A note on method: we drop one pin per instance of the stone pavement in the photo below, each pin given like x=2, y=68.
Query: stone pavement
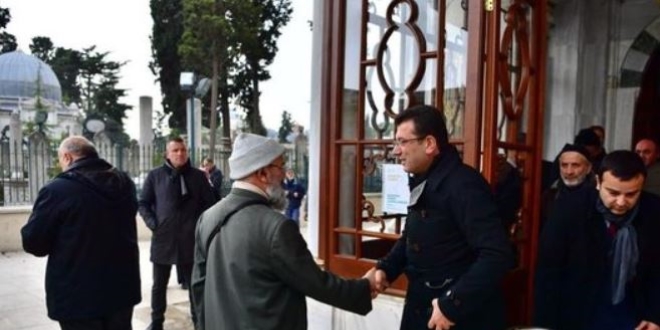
x=23, y=306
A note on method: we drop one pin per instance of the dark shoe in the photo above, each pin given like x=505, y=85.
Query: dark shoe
x=185, y=286
x=155, y=326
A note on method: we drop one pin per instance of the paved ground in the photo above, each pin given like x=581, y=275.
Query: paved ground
x=23, y=307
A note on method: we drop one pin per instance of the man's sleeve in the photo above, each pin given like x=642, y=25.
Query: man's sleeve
x=199, y=277
x=395, y=260
x=293, y=263
x=147, y=202
x=476, y=214
x=43, y=225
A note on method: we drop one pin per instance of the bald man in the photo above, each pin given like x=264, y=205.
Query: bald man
x=84, y=221
x=648, y=150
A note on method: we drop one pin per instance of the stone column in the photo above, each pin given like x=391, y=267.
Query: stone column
x=313, y=189
x=146, y=135
x=40, y=161
x=146, y=121
x=15, y=146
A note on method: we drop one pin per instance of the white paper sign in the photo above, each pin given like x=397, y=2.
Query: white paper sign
x=396, y=193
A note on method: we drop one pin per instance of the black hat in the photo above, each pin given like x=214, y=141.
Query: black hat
x=574, y=148
x=587, y=137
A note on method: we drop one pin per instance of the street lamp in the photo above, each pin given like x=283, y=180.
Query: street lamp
x=194, y=87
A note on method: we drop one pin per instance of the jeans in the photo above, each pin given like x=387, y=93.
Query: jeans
x=293, y=214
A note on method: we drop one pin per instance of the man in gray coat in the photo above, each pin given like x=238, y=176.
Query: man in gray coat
x=252, y=267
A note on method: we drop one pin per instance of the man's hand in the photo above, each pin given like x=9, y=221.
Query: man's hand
x=438, y=321
x=378, y=281
x=646, y=325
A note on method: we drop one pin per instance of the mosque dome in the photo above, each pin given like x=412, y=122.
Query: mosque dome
x=19, y=74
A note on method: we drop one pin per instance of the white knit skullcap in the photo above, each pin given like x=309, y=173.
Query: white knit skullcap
x=251, y=153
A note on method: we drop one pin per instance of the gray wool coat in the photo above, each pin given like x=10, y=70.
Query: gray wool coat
x=259, y=270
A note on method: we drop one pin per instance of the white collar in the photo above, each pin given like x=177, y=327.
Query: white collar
x=250, y=187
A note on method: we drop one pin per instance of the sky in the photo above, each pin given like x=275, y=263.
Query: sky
x=123, y=27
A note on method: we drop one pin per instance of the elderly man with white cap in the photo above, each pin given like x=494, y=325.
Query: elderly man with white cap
x=252, y=267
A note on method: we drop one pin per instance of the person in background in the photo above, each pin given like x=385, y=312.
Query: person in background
x=84, y=221
x=294, y=194
x=648, y=150
x=574, y=174
x=173, y=197
x=599, y=254
x=454, y=249
x=589, y=139
x=214, y=175
x=252, y=266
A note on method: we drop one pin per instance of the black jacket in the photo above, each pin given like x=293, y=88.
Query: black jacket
x=84, y=221
x=171, y=213
x=573, y=262
x=453, y=248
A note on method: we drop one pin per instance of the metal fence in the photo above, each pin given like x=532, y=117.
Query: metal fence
x=25, y=166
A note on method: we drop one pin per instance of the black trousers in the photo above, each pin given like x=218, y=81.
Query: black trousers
x=120, y=320
x=161, y=276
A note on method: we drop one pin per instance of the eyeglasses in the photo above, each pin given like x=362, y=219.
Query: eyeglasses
x=403, y=142
x=280, y=167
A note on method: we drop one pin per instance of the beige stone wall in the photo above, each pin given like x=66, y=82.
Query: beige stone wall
x=12, y=219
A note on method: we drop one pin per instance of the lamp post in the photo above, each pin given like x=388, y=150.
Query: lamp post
x=194, y=87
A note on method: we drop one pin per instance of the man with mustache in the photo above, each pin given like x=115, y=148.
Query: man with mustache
x=252, y=267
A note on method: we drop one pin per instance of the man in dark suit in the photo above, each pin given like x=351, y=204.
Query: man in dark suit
x=173, y=198
x=454, y=249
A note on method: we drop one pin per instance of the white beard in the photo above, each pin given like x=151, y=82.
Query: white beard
x=574, y=182
x=276, y=197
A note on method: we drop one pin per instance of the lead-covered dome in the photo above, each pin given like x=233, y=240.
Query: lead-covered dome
x=19, y=74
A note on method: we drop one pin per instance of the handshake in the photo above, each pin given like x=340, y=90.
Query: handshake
x=377, y=280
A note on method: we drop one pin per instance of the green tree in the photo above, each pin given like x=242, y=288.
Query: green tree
x=42, y=47
x=259, y=47
x=7, y=40
x=166, y=62
x=209, y=46
x=98, y=80
x=66, y=64
x=286, y=127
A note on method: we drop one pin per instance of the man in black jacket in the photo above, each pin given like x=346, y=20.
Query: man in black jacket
x=84, y=221
x=454, y=249
x=599, y=254
x=173, y=197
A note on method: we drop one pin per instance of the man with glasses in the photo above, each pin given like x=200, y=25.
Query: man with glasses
x=252, y=266
x=453, y=250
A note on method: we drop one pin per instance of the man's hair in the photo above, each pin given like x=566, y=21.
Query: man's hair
x=587, y=137
x=427, y=120
x=176, y=139
x=623, y=164
x=79, y=147
x=208, y=160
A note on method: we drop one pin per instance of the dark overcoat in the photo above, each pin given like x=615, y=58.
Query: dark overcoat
x=573, y=262
x=84, y=220
x=171, y=214
x=453, y=248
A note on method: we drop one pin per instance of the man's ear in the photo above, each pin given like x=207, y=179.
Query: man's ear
x=431, y=145
x=597, y=182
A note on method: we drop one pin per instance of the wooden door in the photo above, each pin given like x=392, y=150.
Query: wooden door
x=386, y=55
